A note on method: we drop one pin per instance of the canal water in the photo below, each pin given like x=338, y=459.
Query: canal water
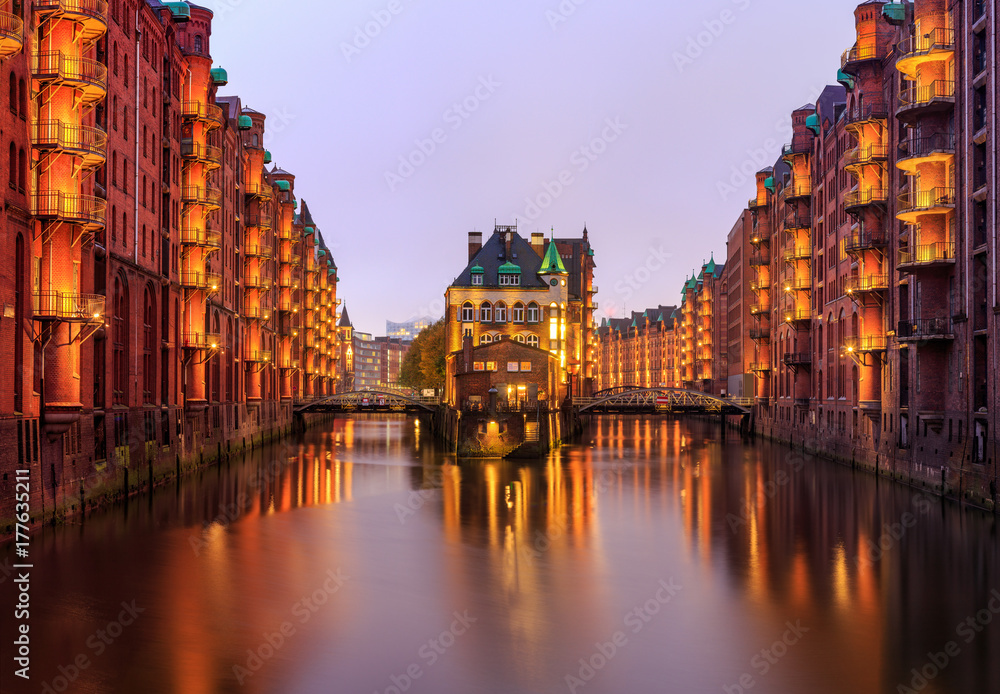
x=655, y=556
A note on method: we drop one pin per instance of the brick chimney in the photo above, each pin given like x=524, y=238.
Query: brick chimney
x=467, y=353
x=538, y=243
x=475, y=243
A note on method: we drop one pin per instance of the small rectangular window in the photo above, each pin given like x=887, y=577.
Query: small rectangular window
x=478, y=366
x=525, y=366
x=513, y=367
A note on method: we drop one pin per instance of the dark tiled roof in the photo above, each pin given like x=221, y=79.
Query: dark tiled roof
x=345, y=320
x=493, y=254
x=307, y=218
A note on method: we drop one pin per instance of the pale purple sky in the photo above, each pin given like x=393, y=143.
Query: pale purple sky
x=541, y=86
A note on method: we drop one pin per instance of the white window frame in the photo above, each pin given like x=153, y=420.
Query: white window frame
x=468, y=312
x=486, y=313
x=500, y=312
x=532, y=308
x=477, y=280
x=517, y=309
x=532, y=340
x=485, y=339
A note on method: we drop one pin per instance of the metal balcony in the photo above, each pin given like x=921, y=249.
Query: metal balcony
x=926, y=256
x=915, y=151
x=201, y=238
x=11, y=34
x=797, y=359
x=936, y=96
x=937, y=44
x=68, y=306
x=760, y=237
x=208, y=114
x=867, y=112
x=866, y=284
x=203, y=341
x=797, y=253
x=923, y=329
x=857, y=200
x=797, y=284
x=872, y=154
x=757, y=202
x=760, y=334
x=90, y=144
x=798, y=220
x=257, y=283
x=88, y=77
x=257, y=250
x=912, y=205
x=262, y=191
x=85, y=210
x=794, y=191
x=257, y=356
x=757, y=260
x=868, y=47
x=860, y=241
x=866, y=344
x=288, y=364
x=259, y=221
x=796, y=315
x=288, y=306
x=205, y=281
x=256, y=313
x=801, y=143
x=207, y=155
x=91, y=16
x=290, y=259
x=198, y=195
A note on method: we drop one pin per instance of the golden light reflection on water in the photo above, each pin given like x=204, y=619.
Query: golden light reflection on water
x=549, y=553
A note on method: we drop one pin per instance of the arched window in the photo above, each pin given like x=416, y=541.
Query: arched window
x=230, y=362
x=145, y=137
x=12, y=93
x=124, y=227
x=114, y=224
x=125, y=66
x=125, y=122
x=532, y=340
x=533, y=316
x=517, y=313
x=486, y=312
x=500, y=312
x=485, y=339
x=114, y=112
x=255, y=140
x=114, y=169
x=119, y=341
x=22, y=170
x=22, y=98
x=198, y=43
x=468, y=312
x=148, y=345
x=12, y=166
x=520, y=338
x=143, y=240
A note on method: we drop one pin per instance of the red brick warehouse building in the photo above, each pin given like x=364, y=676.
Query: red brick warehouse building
x=167, y=298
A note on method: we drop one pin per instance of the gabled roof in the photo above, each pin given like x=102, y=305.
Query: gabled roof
x=307, y=218
x=493, y=255
x=552, y=264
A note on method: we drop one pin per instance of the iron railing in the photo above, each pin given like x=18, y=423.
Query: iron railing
x=925, y=328
x=68, y=207
x=915, y=201
x=68, y=306
x=867, y=283
x=62, y=136
x=927, y=254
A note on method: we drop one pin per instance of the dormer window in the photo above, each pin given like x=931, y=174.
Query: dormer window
x=509, y=275
x=477, y=275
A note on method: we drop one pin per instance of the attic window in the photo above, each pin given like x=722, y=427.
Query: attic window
x=510, y=280
x=477, y=280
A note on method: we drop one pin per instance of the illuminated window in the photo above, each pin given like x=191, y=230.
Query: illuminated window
x=533, y=312
x=525, y=366
x=468, y=312
x=532, y=340
x=491, y=366
x=519, y=338
x=486, y=312
x=517, y=313
x=485, y=339
x=478, y=366
x=500, y=312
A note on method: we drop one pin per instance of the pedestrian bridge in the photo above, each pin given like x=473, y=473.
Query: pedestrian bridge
x=365, y=401
x=631, y=400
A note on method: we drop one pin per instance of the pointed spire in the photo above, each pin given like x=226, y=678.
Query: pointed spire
x=552, y=264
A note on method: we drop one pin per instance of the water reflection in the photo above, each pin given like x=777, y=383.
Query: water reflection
x=500, y=576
